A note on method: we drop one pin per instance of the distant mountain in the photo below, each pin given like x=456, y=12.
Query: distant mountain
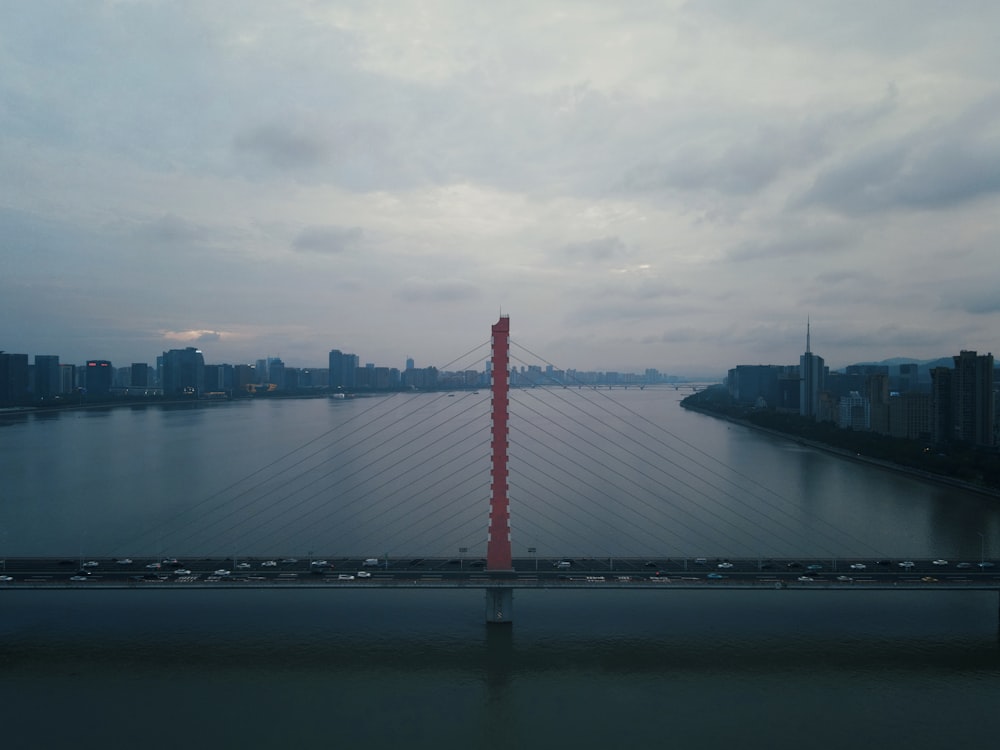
x=923, y=365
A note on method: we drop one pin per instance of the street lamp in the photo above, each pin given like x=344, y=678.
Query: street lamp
x=461, y=557
x=531, y=553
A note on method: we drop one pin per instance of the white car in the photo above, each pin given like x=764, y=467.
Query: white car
x=906, y=564
x=91, y=564
x=6, y=579
x=243, y=566
x=858, y=566
x=725, y=565
x=940, y=562
x=221, y=572
x=364, y=574
x=182, y=572
x=371, y=562
x=124, y=561
x=345, y=577
x=269, y=564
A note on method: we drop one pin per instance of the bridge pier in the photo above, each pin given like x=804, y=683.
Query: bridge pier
x=499, y=605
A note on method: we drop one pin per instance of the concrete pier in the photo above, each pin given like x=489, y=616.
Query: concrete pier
x=500, y=605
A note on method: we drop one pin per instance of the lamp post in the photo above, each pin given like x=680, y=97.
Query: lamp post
x=982, y=549
x=461, y=557
x=531, y=553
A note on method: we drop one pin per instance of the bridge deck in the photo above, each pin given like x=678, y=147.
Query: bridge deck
x=527, y=573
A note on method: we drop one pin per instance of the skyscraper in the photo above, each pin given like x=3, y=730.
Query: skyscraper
x=47, y=380
x=972, y=393
x=13, y=378
x=343, y=369
x=811, y=380
x=97, y=377
x=183, y=372
x=139, y=375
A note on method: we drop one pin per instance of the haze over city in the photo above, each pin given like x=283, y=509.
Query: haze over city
x=671, y=185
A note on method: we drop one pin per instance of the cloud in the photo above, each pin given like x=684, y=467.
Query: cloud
x=977, y=301
x=931, y=168
x=437, y=290
x=604, y=248
x=791, y=240
x=198, y=336
x=171, y=229
x=283, y=147
x=330, y=240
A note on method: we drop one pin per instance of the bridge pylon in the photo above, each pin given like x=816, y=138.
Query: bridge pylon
x=498, y=554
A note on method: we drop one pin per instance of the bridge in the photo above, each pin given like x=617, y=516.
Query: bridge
x=499, y=572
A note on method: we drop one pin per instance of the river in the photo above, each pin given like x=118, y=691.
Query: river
x=616, y=473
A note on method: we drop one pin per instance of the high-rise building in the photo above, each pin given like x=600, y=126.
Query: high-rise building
x=910, y=416
x=98, y=375
x=67, y=378
x=854, y=412
x=972, y=393
x=343, y=369
x=811, y=380
x=243, y=377
x=276, y=372
x=139, y=376
x=183, y=372
x=48, y=384
x=908, y=378
x=877, y=393
x=942, y=419
x=13, y=378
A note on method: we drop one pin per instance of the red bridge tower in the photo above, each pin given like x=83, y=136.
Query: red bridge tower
x=498, y=555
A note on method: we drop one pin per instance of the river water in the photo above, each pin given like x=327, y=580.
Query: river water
x=599, y=473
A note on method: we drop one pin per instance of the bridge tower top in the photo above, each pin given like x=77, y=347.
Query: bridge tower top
x=498, y=554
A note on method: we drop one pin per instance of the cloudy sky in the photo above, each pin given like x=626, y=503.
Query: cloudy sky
x=644, y=184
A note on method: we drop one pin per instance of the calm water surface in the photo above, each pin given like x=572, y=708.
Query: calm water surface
x=419, y=669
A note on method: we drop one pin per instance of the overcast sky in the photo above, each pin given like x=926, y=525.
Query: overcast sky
x=641, y=184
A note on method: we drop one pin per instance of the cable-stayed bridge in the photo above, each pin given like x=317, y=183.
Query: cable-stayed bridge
x=499, y=489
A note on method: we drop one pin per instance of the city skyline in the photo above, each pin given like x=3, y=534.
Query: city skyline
x=676, y=185
x=416, y=362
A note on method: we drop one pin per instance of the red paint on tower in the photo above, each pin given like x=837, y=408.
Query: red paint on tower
x=498, y=556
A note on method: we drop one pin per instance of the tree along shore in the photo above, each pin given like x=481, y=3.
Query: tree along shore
x=956, y=465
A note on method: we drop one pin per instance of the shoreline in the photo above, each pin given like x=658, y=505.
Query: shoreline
x=926, y=476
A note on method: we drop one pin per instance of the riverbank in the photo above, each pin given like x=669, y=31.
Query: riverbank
x=921, y=474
